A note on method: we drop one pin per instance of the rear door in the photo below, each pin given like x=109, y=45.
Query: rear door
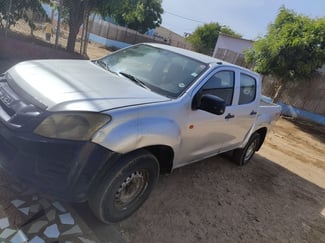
x=243, y=112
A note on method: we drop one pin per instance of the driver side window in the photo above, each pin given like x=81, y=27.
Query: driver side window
x=221, y=84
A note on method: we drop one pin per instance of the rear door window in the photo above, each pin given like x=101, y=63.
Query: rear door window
x=247, y=89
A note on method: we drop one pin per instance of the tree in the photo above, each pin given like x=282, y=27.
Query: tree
x=136, y=14
x=76, y=10
x=292, y=50
x=204, y=38
x=139, y=15
x=12, y=11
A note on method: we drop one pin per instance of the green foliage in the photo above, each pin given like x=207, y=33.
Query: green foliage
x=204, y=38
x=292, y=49
x=139, y=15
x=12, y=11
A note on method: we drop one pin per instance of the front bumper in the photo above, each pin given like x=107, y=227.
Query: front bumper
x=60, y=168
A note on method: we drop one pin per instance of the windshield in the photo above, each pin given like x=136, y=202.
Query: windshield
x=162, y=71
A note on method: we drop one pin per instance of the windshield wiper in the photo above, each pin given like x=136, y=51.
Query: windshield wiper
x=134, y=79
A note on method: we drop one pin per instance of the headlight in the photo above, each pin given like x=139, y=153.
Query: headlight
x=72, y=125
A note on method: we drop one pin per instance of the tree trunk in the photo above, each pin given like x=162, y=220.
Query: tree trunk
x=278, y=92
x=84, y=52
x=72, y=39
x=76, y=13
x=58, y=26
x=8, y=18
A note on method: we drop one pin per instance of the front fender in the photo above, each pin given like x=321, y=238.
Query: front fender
x=139, y=133
x=120, y=138
x=158, y=131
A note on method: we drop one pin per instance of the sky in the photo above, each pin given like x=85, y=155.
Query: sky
x=249, y=18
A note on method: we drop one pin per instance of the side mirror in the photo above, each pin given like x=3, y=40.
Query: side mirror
x=210, y=103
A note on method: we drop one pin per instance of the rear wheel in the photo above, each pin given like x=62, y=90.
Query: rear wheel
x=124, y=188
x=242, y=156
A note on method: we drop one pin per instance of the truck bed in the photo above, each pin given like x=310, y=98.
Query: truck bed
x=267, y=107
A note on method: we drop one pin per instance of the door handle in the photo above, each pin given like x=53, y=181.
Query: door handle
x=229, y=116
x=253, y=113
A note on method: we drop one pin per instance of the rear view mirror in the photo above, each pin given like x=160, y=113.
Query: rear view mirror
x=211, y=103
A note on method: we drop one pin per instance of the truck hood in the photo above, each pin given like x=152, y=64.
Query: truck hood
x=62, y=85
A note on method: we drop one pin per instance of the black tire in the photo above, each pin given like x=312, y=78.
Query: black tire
x=125, y=187
x=242, y=156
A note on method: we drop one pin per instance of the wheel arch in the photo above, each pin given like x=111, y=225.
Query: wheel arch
x=262, y=132
x=165, y=156
x=163, y=153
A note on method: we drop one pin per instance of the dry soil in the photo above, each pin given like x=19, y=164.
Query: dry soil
x=278, y=197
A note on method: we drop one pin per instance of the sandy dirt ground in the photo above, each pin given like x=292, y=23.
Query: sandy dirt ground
x=94, y=50
x=278, y=197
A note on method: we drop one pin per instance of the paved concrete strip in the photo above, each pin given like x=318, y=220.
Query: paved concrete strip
x=29, y=217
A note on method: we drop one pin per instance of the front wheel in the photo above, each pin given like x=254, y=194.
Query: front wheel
x=243, y=155
x=124, y=188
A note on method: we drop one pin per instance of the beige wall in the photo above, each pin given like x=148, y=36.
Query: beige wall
x=237, y=45
x=308, y=95
x=231, y=49
x=172, y=38
x=114, y=32
x=119, y=33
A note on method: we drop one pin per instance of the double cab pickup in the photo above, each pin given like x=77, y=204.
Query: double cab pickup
x=102, y=131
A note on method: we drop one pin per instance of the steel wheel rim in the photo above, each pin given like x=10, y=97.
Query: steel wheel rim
x=131, y=188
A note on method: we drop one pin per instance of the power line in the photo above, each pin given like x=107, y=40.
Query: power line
x=182, y=17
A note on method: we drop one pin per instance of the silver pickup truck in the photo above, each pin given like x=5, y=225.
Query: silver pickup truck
x=104, y=130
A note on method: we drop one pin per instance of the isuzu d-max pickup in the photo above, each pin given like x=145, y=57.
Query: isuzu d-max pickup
x=102, y=131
